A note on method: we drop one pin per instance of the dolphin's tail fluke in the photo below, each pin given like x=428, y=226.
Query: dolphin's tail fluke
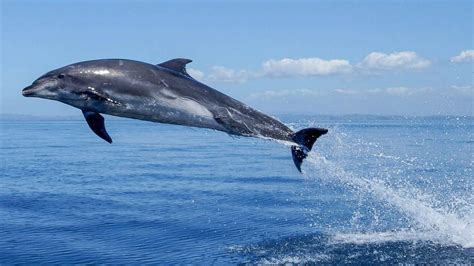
x=305, y=138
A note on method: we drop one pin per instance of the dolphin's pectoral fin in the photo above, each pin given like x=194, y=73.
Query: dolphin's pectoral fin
x=177, y=65
x=96, y=123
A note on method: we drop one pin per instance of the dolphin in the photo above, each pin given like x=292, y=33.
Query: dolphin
x=163, y=93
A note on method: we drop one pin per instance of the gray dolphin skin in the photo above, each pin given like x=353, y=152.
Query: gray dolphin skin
x=163, y=93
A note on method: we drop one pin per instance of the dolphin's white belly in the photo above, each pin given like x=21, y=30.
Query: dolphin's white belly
x=184, y=105
x=166, y=107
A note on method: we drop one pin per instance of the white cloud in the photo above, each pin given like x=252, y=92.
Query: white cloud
x=199, y=75
x=346, y=91
x=464, y=57
x=305, y=67
x=397, y=60
x=223, y=74
x=282, y=68
x=466, y=89
x=399, y=91
x=284, y=93
x=394, y=91
x=304, y=93
x=383, y=100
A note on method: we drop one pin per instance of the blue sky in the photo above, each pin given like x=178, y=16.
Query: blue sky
x=299, y=57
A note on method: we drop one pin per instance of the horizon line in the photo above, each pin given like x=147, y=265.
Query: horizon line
x=12, y=116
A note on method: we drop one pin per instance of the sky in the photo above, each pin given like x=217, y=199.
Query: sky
x=281, y=57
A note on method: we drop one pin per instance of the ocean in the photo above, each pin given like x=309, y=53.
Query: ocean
x=375, y=189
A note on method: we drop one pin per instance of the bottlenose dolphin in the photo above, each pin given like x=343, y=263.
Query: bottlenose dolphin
x=163, y=93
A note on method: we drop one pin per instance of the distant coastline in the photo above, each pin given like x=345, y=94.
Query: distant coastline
x=25, y=117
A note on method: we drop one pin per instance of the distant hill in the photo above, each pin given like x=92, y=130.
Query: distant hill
x=282, y=117
x=22, y=117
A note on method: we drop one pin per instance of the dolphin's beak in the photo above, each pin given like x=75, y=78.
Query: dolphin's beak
x=29, y=91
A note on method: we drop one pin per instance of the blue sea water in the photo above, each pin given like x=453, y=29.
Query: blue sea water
x=374, y=190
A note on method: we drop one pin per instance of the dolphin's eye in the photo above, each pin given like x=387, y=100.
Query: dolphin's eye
x=60, y=76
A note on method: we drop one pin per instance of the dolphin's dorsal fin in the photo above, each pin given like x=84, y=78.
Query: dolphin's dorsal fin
x=177, y=64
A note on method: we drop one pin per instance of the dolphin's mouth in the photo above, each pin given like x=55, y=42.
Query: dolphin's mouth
x=29, y=91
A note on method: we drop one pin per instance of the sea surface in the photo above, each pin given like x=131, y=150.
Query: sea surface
x=374, y=190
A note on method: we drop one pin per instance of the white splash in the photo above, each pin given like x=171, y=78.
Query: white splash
x=443, y=225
